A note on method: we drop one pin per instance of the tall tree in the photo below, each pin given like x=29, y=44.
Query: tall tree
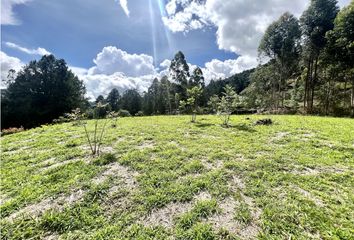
x=113, y=99
x=42, y=91
x=179, y=73
x=315, y=22
x=281, y=42
x=197, y=78
x=340, y=54
x=100, y=99
x=131, y=101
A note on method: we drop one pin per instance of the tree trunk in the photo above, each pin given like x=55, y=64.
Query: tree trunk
x=314, y=82
x=352, y=97
x=307, y=79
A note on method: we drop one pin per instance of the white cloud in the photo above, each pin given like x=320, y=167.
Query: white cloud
x=216, y=69
x=115, y=68
x=102, y=84
x=7, y=63
x=111, y=60
x=124, y=5
x=8, y=17
x=38, y=51
x=240, y=24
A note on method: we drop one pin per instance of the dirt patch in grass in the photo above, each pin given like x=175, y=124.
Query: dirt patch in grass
x=318, y=170
x=57, y=203
x=165, y=216
x=212, y=165
x=310, y=196
x=51, y=236
x=279, y=136
x=225, y=219
x=252, y=229
x=116, y=170
x=146, y=144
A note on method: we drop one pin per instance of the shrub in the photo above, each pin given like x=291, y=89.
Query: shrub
x=124, y=113
x=94, y=139
x=139, y=114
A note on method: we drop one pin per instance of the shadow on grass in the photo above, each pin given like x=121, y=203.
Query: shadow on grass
x=203, y=125
x=243, y=127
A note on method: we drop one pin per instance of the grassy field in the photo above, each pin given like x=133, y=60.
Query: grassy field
x=167, y=178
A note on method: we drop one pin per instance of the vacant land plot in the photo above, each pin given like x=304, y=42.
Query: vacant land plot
x=166, y=178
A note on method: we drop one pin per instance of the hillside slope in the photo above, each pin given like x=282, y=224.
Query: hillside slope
x=163, y=177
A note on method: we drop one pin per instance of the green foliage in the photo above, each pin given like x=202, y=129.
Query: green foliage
x=191, y=104
x=113, y=99
x=42, y=91
x=124, y=113
x=225, y=105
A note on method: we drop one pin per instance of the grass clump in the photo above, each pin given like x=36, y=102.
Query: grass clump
x=105, y=159
x=243, y=213
x=201, y=210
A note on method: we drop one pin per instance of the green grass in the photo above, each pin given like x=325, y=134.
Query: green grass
x=294, y=180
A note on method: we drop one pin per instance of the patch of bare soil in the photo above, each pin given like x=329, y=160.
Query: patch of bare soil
x=146, y=144
x=252, y=229
x=165, y=216
x=306, y=136
x=310, y=196
x=116, y=170
x=318, y=170
x=279, y=136
x=212, y=165
x=51, y=236
x=57, y=203
x=225, y=218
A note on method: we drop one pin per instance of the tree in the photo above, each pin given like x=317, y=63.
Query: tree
x=100, y=99
x=316, y=21
x=42, y=91
x=225, y=105
x=113, y=99
x=281, y=43
x=131, y=101
x=179, y=72
x=197, y=78
x=339, y=58
x=191, y=103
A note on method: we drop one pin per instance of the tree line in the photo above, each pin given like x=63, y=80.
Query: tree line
x=308, y=69
x=311, y=62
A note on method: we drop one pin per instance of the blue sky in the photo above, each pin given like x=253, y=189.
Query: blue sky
x=77, y=30
x=126, y=43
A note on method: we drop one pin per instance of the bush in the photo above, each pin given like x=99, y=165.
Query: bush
x=124, y=113
x=11, y=130
x=139, y=114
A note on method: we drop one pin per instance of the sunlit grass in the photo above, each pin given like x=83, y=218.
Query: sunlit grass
x=295, y=179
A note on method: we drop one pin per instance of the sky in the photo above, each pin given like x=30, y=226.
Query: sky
x=126, y=43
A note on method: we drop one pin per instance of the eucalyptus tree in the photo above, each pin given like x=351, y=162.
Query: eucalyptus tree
x=281, y=43
x=316, y=21
x=179, y=73
x=339, y=54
